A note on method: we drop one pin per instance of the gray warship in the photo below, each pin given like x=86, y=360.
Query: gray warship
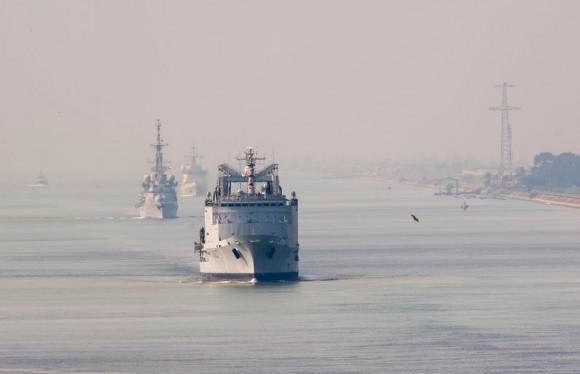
x=250, y=232
x=193, y=177
x=158, y=198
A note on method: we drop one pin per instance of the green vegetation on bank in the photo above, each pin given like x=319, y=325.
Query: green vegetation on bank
x=555, y=173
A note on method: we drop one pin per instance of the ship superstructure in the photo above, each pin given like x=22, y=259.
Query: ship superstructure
x=158, y=198
x=251, y=228
x=193, y=177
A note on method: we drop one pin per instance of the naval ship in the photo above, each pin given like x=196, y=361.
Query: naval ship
x=158, y=198
x=250, y=228
x=193, y=177
x=40, y=181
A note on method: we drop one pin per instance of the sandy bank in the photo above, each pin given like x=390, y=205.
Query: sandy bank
x=546, y=198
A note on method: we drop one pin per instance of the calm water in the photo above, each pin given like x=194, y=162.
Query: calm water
x=87, y=287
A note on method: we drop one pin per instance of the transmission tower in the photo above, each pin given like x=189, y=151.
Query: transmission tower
x=505, y=162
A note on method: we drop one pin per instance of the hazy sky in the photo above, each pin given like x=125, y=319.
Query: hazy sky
x=82, y=83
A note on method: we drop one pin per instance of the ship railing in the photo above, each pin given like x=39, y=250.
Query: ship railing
x=256, y=197
x=250, y=203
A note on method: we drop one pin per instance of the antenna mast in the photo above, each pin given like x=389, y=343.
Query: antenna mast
x=505, y=163
x=159, y=169
x=251, y=158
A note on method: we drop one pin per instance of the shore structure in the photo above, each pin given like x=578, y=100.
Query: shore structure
x=544, y=197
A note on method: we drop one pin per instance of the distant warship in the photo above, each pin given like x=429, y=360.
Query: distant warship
x=193, y=178
x=251, y=233
x=158, y=199
x=40, y=181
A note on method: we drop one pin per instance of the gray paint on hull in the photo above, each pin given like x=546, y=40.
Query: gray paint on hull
x=153, y=211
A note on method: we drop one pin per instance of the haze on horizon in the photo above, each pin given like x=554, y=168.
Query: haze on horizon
x=83, y=82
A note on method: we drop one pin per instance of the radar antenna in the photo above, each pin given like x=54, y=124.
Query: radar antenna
x=249, y=170
x=159, y=168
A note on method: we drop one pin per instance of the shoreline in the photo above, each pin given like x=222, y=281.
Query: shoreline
x=537, y=197
x=545, y=198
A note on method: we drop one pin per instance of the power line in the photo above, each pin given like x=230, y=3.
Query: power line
x=505, y=162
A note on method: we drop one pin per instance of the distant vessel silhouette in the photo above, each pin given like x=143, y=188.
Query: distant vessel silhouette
x=40, y=181
x=193, y=178
x=158, y=198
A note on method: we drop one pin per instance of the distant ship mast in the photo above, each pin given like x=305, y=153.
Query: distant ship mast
x=195, y=159
x=159, y=168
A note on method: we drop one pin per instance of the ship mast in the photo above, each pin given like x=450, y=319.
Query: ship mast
x=159, y=168
x=251, y=158
x=195, y=158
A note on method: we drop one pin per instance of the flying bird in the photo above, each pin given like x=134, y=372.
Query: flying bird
x=415, y=218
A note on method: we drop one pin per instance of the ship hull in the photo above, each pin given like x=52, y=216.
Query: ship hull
x=243, y=258
x=242, y=277
x=153, y=210
x=192, y=189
